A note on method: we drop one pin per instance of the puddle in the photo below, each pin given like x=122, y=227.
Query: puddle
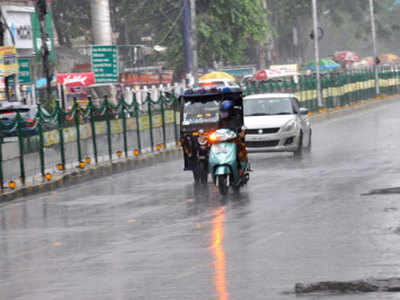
x=356, y=286
x=387, y=191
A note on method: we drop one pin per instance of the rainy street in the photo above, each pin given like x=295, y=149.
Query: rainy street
x=150, y=234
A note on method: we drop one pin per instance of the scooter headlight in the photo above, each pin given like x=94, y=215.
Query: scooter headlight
x=213, y=137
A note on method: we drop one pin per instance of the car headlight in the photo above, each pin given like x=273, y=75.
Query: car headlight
x=290, y=126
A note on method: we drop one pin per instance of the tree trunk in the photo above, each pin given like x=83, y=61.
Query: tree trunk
x=41, y=10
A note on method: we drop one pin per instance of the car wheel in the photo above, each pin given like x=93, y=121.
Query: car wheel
x=299, y=151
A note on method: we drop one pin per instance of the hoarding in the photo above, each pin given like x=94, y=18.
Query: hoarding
x=37, y=36
x=8, y=61
x=76, y=79
x=147, y=78
x=18, y=19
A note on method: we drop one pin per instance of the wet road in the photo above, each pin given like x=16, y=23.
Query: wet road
x=149, y=234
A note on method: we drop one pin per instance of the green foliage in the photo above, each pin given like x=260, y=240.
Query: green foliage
x=229, y=30
x=71, y=19
x=225, y=29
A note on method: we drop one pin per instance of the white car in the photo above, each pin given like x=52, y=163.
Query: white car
x=276, y=123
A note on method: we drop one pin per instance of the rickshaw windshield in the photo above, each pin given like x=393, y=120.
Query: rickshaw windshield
x=200, y=112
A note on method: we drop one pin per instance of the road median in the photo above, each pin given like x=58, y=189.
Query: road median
x=90, y=172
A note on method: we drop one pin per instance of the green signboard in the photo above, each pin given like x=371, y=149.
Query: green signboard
x=105, y=63
x=37, y=37
x=240, y=72
x=24, y=72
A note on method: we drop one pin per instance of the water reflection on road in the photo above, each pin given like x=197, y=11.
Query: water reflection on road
x=217, y=248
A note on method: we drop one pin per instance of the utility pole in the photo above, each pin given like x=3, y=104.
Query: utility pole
x=261, y=46
x=186, y=37
x=2, y=35
x=193, y=42
x=101, y=22
x=371, y=8
x=316, y=46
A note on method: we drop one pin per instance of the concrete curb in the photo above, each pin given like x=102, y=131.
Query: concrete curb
x=348, y=110
x=93, y=172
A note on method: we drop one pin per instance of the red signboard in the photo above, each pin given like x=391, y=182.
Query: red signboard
x=76, y=79
x=147, y=78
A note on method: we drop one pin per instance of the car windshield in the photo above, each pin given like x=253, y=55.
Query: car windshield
x=199, y=113
x=268, y=107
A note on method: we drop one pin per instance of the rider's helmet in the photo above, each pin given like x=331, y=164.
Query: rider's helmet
x=226, y=109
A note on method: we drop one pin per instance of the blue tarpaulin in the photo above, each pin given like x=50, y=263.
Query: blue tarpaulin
x=42, y=82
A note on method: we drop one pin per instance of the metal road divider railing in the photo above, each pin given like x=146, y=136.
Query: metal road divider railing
x=339, y=89
x=65, y=140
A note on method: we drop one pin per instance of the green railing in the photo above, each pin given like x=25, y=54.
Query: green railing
x=61, y=140
x=338, y=89
x=64, y=140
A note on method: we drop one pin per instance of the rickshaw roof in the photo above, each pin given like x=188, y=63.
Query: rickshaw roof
x=201, y=93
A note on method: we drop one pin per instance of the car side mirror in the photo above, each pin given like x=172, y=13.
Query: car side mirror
x=303, y=111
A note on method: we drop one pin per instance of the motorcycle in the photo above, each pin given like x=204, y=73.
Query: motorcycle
x=223, y=162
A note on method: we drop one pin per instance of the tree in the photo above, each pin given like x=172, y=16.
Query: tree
x=72, y=20
x=227, y=30
x=346, y=25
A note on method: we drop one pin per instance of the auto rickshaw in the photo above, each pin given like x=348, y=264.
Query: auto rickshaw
x=199, y=118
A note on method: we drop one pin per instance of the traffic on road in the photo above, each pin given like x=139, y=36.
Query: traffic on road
x=154, y=233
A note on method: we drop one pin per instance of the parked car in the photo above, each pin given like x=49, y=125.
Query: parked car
x=276, y=123
x=28, y=125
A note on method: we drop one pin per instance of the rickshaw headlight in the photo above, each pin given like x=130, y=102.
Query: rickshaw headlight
x=202, y=140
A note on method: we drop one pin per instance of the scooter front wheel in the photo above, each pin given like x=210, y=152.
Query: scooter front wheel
x=222, y=184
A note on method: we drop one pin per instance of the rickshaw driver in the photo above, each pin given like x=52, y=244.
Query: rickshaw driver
x=228, y=120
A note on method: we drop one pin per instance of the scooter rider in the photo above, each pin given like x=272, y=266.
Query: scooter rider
x=242, y=151
x=227, y=116
x=228, y=120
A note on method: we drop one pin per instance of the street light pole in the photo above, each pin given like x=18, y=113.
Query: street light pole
x=371, y=9
x=193, y=41
x=316, y=46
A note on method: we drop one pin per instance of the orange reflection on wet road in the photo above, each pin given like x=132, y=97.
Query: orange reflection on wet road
x=219, y=255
